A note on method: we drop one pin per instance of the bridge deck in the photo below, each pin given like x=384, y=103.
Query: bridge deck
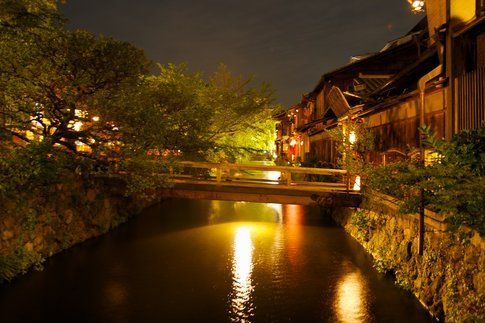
x=264, y=193
x=263, y=183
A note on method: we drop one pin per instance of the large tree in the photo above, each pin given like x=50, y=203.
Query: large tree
x=92, y=96
x=65, y=87
x=224, y=117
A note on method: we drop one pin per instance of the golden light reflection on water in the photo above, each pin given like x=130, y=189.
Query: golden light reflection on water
x=242, y=267
x=115, y=293
x=350, y=301
x=293, y=215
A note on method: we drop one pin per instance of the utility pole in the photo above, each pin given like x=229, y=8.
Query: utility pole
x=450, y=114
x=422, y=107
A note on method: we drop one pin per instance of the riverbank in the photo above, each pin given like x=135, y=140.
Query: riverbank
x=449, y=279
x=36, y=226
x=188, y=260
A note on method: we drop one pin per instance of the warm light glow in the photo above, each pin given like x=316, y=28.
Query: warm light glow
x=82, y=147
x=242, y=269
x=357, y=183
x=272, y=175
x=293, y=142
x=80, y=113
x=463, y=11
x=350, y=299
x=417, y=5
x=293, y=214
x=293, y=218
x=30, y=135
x=431, y=157
x=95, y=118
x=352, y=137
x=77, y=126
x=115, y=293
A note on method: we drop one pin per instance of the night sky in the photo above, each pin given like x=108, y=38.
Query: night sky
x=287, y=43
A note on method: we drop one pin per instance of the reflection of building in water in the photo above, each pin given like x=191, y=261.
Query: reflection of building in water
x=350, y=303
x=242, y=267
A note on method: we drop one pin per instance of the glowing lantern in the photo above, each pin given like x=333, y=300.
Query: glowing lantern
x=417, y=5
x=352, y=137
x=293, y=142
x=95, y=118
x=357, y=183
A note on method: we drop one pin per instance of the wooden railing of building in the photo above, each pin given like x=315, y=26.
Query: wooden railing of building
x=470, y=99
x=223, y=172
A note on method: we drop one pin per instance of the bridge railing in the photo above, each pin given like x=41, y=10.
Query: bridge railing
x=279, y=175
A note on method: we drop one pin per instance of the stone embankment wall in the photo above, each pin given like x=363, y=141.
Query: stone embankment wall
x=449, y=279
x=36, y=226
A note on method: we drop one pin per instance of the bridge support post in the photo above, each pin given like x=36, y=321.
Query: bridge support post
x=219, y=174
x=288, y=178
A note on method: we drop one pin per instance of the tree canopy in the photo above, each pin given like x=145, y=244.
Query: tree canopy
x=222, y=118
x=94, y=97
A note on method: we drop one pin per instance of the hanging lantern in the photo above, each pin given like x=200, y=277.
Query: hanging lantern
x=417, y=6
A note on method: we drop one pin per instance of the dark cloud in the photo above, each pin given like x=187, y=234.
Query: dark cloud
x=288, y=43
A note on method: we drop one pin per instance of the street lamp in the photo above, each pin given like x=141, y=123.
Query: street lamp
x=417, y=6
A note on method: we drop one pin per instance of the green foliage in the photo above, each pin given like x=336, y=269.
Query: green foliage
x=382, y=265
x=29, y=13
x=353, y=140
x=145, y=175
x=31, y=221
x=53, y=82
x=403, y=280
x=363, y=223
x=34, y=166
x=454, y=184
x=18, y=263
x=224, y=118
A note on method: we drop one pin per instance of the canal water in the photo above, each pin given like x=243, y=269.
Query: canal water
x=212, y=261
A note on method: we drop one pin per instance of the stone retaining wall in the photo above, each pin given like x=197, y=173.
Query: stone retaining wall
x=449, y=279
x=35, y=226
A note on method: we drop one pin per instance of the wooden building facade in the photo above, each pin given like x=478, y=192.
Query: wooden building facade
x=441, y=59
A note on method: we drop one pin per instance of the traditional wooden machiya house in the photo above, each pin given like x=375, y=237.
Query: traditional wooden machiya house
x=363, y=88
x=292, y=144
x=286, y=141
x=433, y=75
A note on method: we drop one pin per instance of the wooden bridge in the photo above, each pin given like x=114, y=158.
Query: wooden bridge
x=263, y=183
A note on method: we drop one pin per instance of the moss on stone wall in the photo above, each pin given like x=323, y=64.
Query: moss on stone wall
x=448, y=279
x=37, y=225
